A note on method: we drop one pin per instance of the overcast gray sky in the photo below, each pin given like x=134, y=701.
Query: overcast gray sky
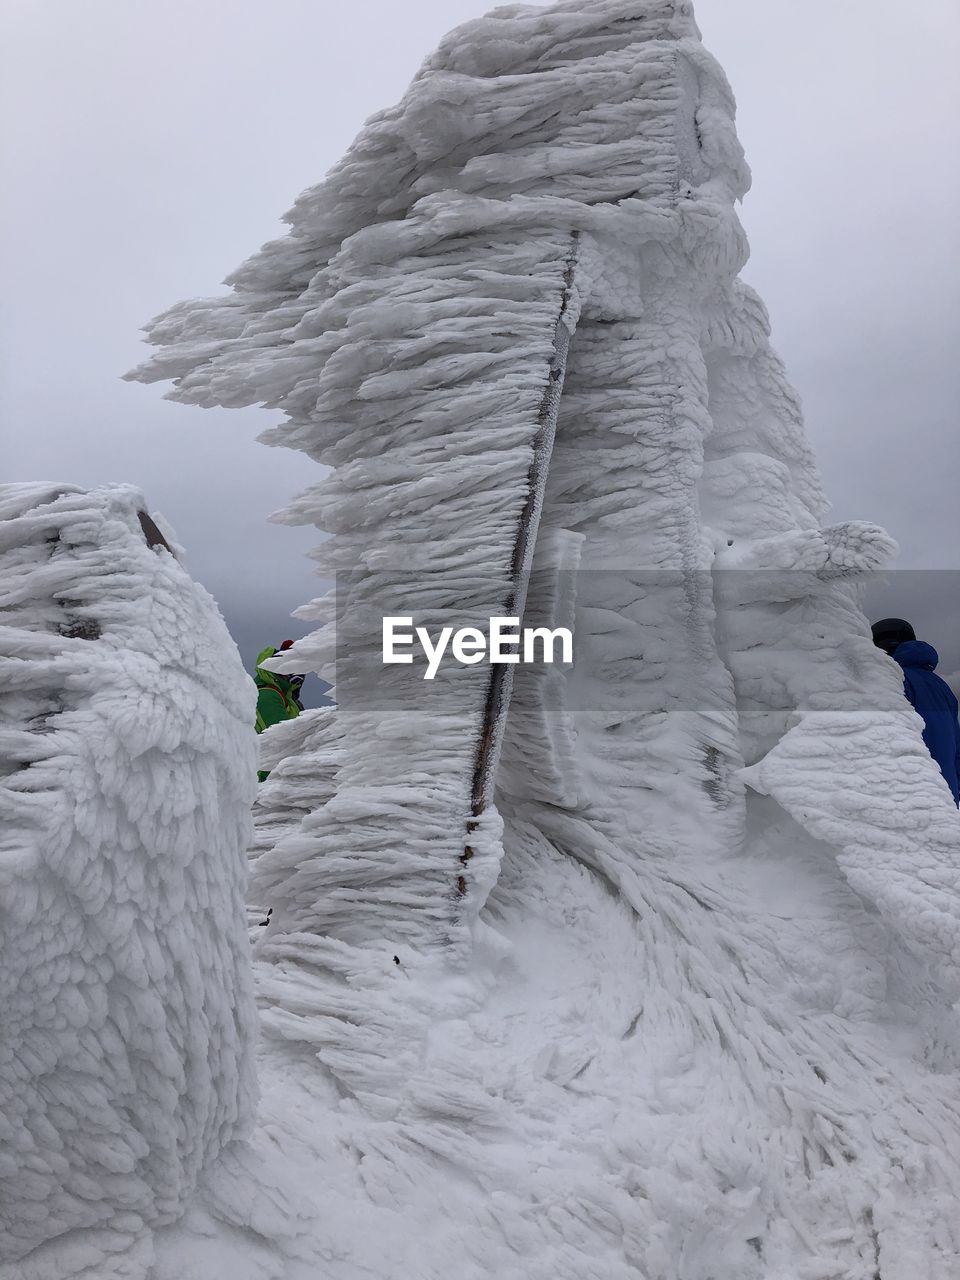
x=149, y=146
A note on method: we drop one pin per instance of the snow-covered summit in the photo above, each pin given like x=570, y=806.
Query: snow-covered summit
x=646, y=968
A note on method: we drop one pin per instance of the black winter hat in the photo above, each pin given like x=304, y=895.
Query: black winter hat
x=889, y=632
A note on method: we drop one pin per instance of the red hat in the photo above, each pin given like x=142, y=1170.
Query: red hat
x=287, y=644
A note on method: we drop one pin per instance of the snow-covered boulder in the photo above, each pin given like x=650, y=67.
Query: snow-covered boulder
x=127, y=768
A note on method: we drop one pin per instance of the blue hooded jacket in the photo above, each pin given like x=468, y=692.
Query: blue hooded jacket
x=933, y=700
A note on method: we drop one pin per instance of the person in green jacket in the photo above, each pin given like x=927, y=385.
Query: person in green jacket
x=277, y=695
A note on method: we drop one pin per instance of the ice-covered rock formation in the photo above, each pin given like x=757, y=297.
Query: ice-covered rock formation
x=127, y=1026
x=644, y=968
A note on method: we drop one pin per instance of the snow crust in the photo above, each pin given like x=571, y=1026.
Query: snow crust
x=126, y=776
x=686, y=1011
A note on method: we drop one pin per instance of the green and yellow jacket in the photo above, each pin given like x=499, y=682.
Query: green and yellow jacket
x=276, y=694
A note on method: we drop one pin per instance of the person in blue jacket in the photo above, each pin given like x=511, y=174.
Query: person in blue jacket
x=931, y=698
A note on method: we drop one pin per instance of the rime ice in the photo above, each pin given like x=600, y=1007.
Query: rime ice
x=126, y=771
x=678, y=1002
